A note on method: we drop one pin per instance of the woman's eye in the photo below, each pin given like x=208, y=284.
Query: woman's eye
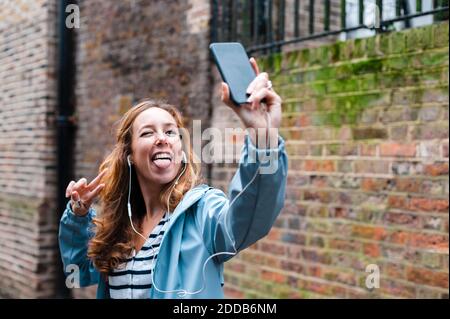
x=171, y=133
x=149, y=133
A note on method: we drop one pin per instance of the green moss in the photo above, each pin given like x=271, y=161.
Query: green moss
x=395, y=64
x=343, y=71
x=347, y=109
x=290, y=60
x=368, y=81
x=368, y=66
x=319, y=88
x=371, y=46
x=419, y=38
x=397, y=42
x=325, y=73
x=333, y=149
x=392, y=80
x=341, y=50
x=417, y=95
x=275, y=62
x=434, y=58
x=440, y=35
x=360, y=48
x=304, y=58
x=334, y=52
x=344, y=85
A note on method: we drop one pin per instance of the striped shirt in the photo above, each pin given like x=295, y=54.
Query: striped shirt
x=132, y=279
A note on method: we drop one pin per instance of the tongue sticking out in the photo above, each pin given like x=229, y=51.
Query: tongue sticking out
x=162, y=163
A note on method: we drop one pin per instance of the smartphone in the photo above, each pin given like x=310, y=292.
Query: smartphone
x=234, y=67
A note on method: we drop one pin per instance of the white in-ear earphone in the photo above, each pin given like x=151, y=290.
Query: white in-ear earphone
x=128, y=203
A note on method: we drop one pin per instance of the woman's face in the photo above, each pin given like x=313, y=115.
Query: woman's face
x=156, y=146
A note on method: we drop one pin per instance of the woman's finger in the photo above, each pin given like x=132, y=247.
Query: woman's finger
x=260, y=94
x=75, y=197
x=226, y=96
x=80, y=184
x=256, y=70
x=254, y=65
x=93, y=194
x=94, y=183
x=69, y=188
x=259, y=82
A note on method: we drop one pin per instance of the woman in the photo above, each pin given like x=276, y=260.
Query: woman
x=162, y=233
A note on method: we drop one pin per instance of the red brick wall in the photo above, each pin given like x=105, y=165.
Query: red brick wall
x=28, y=221
x=129, y=50
x=366, y=125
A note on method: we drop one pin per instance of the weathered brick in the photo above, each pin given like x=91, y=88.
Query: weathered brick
x=398, y=289
x=408, y=185
x=430, y=131
x=433, y=187
x=374, y=184
x=396, y=149
x=369, y=133
x=429, y=241
x=429, y=205
x=436, y=169
x=445, y=150
x=376, y=167
x=319, y=166
x=368, y=149
x=404, y=219
x=372, y=250
x=435, y=95
x=395, y=201
x=299, y=239
x=427, y=277
x=429, y=149
x=345, y=244
x=433, y=223
x=430, y=113
x=398, y=132
x=369, y=232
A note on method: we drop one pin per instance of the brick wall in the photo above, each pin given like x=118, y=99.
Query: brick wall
x=367, y=142
x=129, y=50
x=28, y=221
x=366, y=125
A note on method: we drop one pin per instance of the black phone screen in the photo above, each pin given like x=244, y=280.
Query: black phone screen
x=234, y=67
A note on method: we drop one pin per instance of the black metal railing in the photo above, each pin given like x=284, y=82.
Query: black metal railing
x=261, y=24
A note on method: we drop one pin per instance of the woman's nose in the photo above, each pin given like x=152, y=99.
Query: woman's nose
x=161, y=138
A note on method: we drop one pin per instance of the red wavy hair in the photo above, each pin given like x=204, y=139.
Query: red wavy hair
x=113, y=238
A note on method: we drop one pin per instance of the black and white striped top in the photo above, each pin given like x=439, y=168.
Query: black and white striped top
x=132, y=280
